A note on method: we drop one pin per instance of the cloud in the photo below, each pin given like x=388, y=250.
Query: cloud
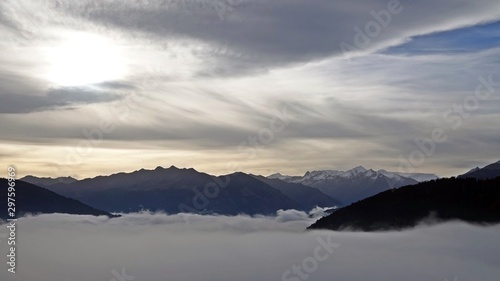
x=266, y=33
x=207, y=84
x=153, y=247
x=462, y=40
x=248, y=36
x=58, y=98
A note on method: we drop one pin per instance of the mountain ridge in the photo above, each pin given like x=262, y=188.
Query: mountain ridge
x=351, y=185
x=32, y=199
x=469, y=199
x=168, y=189
x=487, y=172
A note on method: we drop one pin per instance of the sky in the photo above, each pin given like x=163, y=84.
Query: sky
x=154, y=247
x=97, y=87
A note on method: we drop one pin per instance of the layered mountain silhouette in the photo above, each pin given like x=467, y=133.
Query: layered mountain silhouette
x=387, y=200
x=470, y=200
x=44, y=182
x=246, y=195
x=489, y=172
x=352, y=185
x=175, y=190
x=32, y=199
x=308, y=197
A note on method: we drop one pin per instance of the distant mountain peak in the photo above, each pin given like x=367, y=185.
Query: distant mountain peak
x=490, y=171
x=175, y=168
x=238, y=174
x=356, y=171
x=351, y=185
x=473, y=170
x=360, y=169
x=278, y=176
x=46, y=181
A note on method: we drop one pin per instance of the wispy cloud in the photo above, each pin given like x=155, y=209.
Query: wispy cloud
x=208, y=83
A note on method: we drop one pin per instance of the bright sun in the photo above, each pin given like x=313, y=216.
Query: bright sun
x=83, y=59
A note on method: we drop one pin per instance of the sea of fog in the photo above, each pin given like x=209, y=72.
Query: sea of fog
x=153, y=247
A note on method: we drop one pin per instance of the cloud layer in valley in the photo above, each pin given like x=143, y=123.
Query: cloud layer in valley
x=153, y=247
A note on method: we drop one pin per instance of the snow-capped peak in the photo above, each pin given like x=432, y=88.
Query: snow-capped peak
x=278, y=176
x=312, y=177
x=389, y=174
x=355, y=171
x=358, y=170
x=321, y=175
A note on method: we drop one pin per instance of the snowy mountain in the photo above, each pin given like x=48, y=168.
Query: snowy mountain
x=278, y=176
x=308, y=197
x=168, y=189
x=351, y=185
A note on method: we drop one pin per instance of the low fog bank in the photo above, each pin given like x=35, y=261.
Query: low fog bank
x=154, y=247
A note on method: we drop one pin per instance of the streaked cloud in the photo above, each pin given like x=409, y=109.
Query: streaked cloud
x=193, y=85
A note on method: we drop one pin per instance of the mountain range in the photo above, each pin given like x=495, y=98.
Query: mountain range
x=174, y=190
x=48, y=181
x=355, y=184
x=32, y=199
x=471, y=200
x=473, y=197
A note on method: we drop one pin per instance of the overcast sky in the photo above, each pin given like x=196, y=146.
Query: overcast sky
x=95, y=87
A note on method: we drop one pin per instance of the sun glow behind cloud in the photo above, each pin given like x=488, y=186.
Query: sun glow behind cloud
x=84, y=58
x=200, y=85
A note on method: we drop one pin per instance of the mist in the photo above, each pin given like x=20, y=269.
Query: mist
x=155, y=246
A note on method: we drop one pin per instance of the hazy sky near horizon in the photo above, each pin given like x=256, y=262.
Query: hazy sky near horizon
x=96, y=87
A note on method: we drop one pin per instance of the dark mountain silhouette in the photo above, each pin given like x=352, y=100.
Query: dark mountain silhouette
x=308, y=197
x=175, y=190
x=33, y=199
x=155, y=190
x=489, y=172
x=44, y=182
x=470, y=200
x=246, y=195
